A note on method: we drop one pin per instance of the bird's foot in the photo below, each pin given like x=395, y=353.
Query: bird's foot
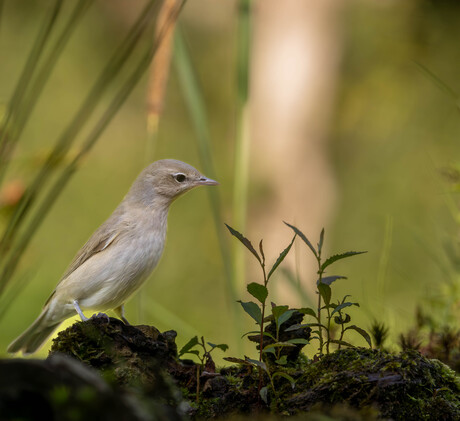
x=101, y=316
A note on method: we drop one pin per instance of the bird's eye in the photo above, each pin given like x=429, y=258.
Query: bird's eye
x=180, y=177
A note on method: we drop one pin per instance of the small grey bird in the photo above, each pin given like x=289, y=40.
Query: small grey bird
x=120, y=255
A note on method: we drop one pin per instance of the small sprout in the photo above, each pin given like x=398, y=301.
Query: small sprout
x=324, y=290
x=280, y=314
x=410, y=341
x=379, y=332
x=204, y=358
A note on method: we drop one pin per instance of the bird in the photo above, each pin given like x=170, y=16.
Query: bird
x=120, y=255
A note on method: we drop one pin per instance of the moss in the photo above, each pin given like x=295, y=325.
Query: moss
x=403, y=387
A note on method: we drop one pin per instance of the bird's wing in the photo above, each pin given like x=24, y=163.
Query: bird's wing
x=99, y=241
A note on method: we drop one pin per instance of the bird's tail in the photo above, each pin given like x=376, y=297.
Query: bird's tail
x=34, y=337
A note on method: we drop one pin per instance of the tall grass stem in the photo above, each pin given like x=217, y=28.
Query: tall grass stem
x=195, y=103
x=242, y=141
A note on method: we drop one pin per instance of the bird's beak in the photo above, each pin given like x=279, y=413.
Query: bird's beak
x=204, y=181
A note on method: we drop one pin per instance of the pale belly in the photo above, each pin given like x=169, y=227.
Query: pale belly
x=110, y=277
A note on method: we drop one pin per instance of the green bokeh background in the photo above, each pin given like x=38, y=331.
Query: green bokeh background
x=393, y=131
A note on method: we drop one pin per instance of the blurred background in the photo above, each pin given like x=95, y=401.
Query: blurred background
x=342, y=115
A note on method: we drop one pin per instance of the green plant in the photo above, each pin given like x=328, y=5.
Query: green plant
x=280, y=315
x=204, y=358
x=260, y=291
x=379, y=332
x=324, y=291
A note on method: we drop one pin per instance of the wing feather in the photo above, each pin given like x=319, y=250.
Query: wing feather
x=102, y=238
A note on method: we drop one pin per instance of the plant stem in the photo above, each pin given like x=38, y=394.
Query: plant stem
x=328, y=330
x=261, y=342
x=342, y=330
x=263, y=316
x=198, y=383
x=320, y=328
x=242, y=141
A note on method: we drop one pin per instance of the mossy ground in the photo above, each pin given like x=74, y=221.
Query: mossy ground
x=404, y=386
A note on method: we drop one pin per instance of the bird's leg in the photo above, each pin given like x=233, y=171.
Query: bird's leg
x=120, y=310
x=78, y=310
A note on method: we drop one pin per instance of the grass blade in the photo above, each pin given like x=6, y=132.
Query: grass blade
x=196, y=106
x=437, y=81
x=242, y=141
x=68, y=136
x=33, y=94
x=23, y=82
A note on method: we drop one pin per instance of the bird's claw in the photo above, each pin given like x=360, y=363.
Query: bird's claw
x=101, y=316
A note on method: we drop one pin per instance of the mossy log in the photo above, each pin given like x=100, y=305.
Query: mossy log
x=136, y=368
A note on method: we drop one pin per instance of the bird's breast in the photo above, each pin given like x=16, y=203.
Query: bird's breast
x=110, y=277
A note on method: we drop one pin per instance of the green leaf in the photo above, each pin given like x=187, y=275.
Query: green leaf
x=342, y=320
x=336, y=257
x=237, y=360
x=335, y=341
x=362, y=332
x=321, y=240
x=189, y=345
x=296, y=327
x=257, y=332
x=261, y=249
x=253, y=310
x=325, y=292
x=258, y=291
x=264, y=394
x=282, y=360
x=314, y=324
x=343, y=305
x=258, y=363
x=298, y=341
x=245, y=242
x=223, y=347
x=307, y=311
x=285, y=317
x=286, y=376
x=279, y=345
x=302, y=326
x=277, y=311
x=281, y=257
x=328, y=280
x=344, y=298
x=303, y=237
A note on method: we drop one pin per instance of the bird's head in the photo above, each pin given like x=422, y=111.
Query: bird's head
x=166, y=180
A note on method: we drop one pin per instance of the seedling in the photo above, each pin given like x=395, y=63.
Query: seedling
x=324, y=291
x=204, y=357
x=257, y=311
x=260, y=291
